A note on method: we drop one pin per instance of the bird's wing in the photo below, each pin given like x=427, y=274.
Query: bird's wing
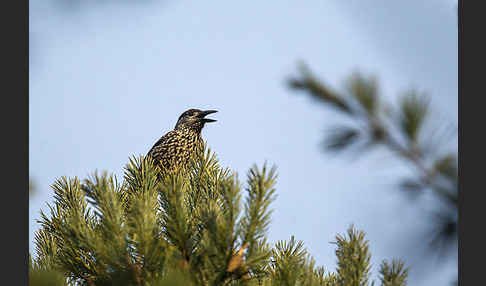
x=159, y=144
x=166, y=142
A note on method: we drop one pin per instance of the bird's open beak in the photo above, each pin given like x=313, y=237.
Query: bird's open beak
x=202, y=114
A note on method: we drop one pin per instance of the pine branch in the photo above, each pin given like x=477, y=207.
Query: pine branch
x=400, y=131
x=288, y=262
x=260, y=194
x=394, y=274
x=186, y=227
x=308, y=82
x=353, y=258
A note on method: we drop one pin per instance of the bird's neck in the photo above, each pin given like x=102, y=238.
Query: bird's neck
x=196, y=130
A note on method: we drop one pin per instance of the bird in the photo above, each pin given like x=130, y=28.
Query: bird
x=174, y=149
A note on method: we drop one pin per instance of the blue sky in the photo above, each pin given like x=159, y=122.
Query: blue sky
x=107, y=80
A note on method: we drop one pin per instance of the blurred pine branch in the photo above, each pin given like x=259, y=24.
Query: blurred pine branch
x=401, y=131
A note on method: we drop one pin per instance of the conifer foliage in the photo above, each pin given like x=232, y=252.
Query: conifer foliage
x=195, y=226
x=373, y=121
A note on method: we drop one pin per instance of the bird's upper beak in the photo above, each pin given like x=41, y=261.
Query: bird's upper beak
x=202, y=114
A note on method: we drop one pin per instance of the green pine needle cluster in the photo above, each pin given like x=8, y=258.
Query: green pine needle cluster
x=196, y=226
x=394, y=274
x=353, y=259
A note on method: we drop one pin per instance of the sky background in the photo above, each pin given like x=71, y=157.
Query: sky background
x=108, y=78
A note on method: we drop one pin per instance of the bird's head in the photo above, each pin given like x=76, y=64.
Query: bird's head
x=194, y=119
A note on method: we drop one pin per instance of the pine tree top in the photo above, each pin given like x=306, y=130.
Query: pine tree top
x=197, y=226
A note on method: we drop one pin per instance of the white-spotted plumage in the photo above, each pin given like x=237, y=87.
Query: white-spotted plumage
x=175, y=148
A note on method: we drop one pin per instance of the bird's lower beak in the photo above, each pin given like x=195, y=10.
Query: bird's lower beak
x=202, y=114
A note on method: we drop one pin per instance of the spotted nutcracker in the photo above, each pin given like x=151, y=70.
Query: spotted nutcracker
x=174, y=149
